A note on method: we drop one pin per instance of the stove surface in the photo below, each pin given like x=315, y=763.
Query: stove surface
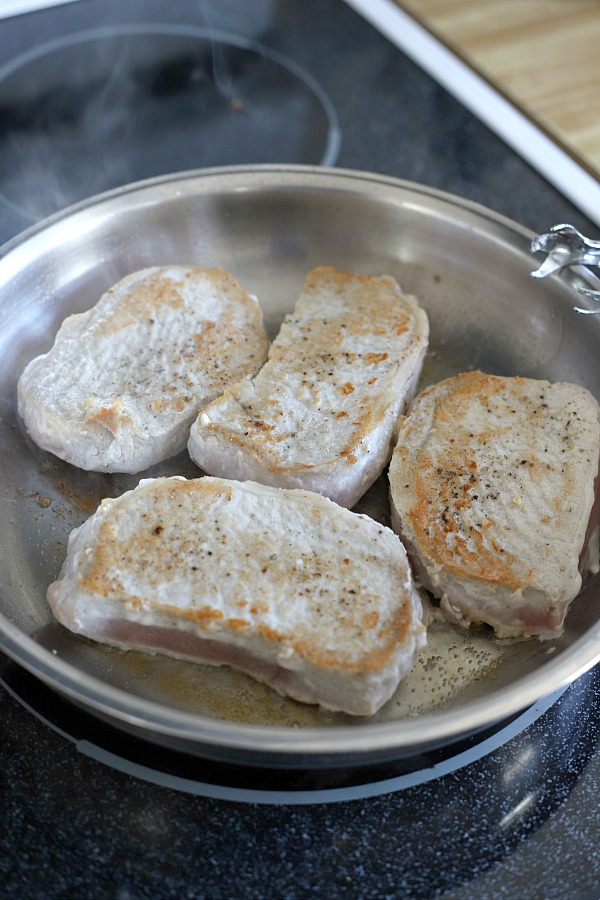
x=515, y=817
x=84, y=821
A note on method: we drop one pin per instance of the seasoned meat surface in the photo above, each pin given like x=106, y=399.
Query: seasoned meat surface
x=313, y=599
x=322, y=413
x=123, y=382
x=492, y=488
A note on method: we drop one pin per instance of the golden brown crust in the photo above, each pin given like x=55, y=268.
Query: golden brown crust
x=345, y=625
x=445, y=491
x=492, y=486
x=123, y=382
x=375, y=300
x=160, y=292
x=343, y=367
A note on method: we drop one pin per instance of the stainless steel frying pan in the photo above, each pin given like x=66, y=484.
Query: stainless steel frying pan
x=269, y=226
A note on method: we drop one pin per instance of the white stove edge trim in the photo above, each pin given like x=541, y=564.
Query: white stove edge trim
x=519, y=132
x=482, y=99
x=10, y=8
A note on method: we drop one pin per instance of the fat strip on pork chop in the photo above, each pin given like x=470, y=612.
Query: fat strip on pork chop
x=300, y=593
x=124, y=380
x=322, y=414
x=493, y=485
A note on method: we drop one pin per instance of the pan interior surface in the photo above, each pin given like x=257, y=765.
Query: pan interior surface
x=269, y=225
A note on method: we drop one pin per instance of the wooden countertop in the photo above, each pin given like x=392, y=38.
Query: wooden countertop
x=543, y=55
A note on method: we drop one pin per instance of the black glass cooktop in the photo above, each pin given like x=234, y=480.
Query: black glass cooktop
x=101, y=92
x=206, y=777
x=102, y=814
x=104, y=106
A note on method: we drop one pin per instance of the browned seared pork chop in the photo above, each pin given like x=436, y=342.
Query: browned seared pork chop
x=312, y=599
x=322, y=413
x=123, y=382
x=492, y=488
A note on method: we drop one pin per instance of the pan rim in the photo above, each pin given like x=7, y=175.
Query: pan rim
x=364, y=739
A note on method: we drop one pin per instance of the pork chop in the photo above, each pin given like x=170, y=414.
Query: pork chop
x=322, y=414
x=312, y=599
x=123, y=382
x=492, y=487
